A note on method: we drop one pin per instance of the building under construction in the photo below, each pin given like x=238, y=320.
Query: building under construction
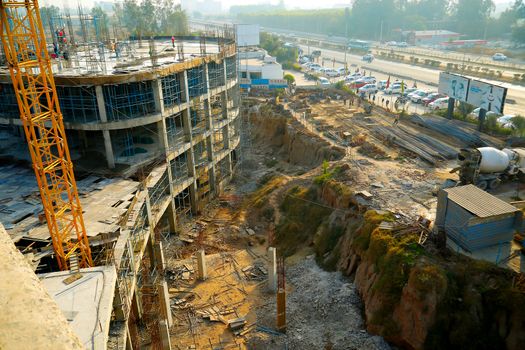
x=153, y=132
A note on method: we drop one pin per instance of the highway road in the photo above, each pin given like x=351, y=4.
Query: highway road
x=426, y=78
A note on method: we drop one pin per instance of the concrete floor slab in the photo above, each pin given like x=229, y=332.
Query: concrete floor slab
x=87, y=303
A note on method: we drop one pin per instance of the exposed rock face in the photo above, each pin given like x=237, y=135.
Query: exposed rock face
x=290, y=139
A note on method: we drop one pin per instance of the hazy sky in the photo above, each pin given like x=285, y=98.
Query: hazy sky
x=227, y=3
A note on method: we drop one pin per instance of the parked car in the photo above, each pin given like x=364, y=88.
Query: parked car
x=506, y=121
x=402, y=44
x=323, y=81
x=431, y=98
x=341, y=70
x=395, y=88
x=316, y=67
x=408, y=91
x=330, y=72
x=304, y=59
x=499, y=57
x=475, y=113
x=439, y=103
x=368, y=89
x=359, y=83
x=418, y=96
x=381, y=85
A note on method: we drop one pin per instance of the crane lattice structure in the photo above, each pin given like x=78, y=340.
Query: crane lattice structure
x=25, y=48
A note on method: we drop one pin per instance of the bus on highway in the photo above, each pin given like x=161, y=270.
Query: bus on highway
x=359, y=44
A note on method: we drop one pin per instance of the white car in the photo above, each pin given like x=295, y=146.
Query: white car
x=394, y=88
x=506, y=121
x=354, y=76
x=381, y=84
x=418, y=96
x=323, y=81
x=475, y=113
x=330, y=72
x=369, y=80
x=341, y=70
x=440, y=103
x=316, y=67
x=499, y=57
x=368, y=89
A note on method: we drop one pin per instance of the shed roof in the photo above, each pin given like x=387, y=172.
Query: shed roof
x=479, y=202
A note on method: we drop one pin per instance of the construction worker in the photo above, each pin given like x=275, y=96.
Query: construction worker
x=173, y=41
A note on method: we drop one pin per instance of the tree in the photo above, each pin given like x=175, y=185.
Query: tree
x=102, y=22
x=289, y=78
x=472, y=16
x=519, y=125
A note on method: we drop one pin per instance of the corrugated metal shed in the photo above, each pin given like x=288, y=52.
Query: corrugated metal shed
x=475, y=219
x=479, y=202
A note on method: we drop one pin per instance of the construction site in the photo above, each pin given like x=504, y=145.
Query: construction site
x=149, y=202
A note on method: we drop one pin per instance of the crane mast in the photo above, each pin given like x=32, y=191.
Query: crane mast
x=25, y=47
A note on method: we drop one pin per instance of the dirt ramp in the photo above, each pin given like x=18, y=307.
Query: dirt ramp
x=292, y=142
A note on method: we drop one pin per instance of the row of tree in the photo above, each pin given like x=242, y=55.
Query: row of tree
x=382, y=19
x=138, y=18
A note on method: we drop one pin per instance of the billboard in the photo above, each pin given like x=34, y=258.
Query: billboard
x=455, y=86
x=487, y=96
x=247, y=34
x=477, y=93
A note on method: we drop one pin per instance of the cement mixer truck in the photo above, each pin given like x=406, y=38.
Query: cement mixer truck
x=487, y=167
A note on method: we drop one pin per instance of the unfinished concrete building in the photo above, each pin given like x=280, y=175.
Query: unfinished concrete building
x=164, y=114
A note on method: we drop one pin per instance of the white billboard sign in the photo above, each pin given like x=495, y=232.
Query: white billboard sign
x=454, y=86
x=486, y=96
x=247, y=34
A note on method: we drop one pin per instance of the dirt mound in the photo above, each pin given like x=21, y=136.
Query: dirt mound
x=289, y=140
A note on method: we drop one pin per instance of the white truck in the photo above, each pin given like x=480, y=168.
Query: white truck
x=487, y=167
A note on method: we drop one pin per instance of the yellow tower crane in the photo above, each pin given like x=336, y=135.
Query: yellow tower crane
x=24, y=44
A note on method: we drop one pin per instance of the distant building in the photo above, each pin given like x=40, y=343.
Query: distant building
x=260, y=70
x=429, y=37
x=211, y=7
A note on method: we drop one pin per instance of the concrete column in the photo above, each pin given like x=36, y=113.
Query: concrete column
x=172, y=213
x=101, y=105
x=201, y=265
x=210, y=139
x=149, y=212
x=151, y=249
x=165, y=307
x=136, y=303
x=108, y=147
x=190, y=159
x=165, y=335
x=159, y=256
x=163, y=135
x=272, y=269
x=157, y=95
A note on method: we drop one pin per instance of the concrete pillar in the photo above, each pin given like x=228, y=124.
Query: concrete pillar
x=201, y=265
x=165, y=307
x=171, y=212
x=160, y=262
x=149, y=213
x=190, y=159
x=101, y=105
x=163, y=135
x=157, y=95
x=272, y=269
x=136, y=303
x=108, y=147
x=164, y=335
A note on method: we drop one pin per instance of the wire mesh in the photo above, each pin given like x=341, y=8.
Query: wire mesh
x=128, y=101
x=179, y=168
x=215, y=74
x=197, y=81
x=175, y=131
x=171, y=90
x=183, y=203
x=78, y=104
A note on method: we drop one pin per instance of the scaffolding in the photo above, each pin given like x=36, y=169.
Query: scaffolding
x=197, y=81
x=78, y=104
x=171, y=90
x=216, y=74
x=231, y=68
x=9, y=105
x=200, y=153
x=128, y=101
x=175, y=131
x=159, y=192
x=222, y=170
x=218, y=140
x=218, y=112
x=179, y=168
x=198, y=117
x=150, y=281
x=183, y=204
